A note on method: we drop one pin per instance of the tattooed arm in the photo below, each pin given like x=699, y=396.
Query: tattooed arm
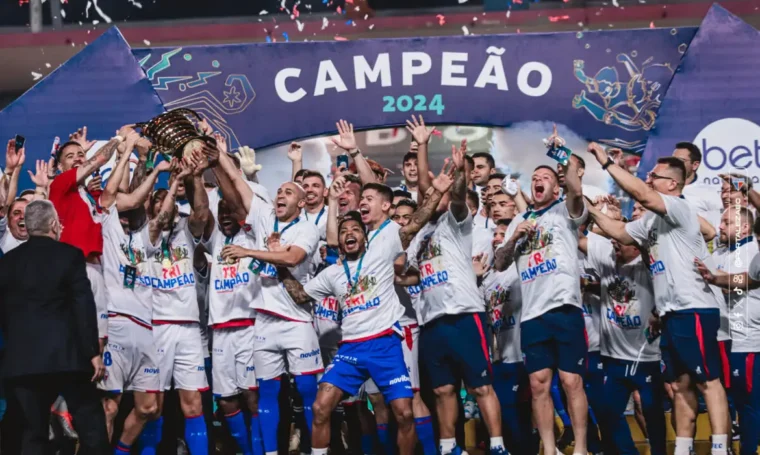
x=100, y=158
x=141, y=170
x=505, y=255
x=420, y=217
x=294, y=288
x=164, y=217
x=458, y=205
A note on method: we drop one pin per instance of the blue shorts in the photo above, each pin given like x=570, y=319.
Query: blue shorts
x=454, y=348
x=378, y=358
x=511, y=383
x=689, y=345
x=556, y=340
x=746, y=394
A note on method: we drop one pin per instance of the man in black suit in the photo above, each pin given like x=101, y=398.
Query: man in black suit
x=47, y=314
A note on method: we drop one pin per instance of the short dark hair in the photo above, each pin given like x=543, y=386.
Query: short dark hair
x=59, y=152
x=473, y=197
x=409, y=156
x=15, y=201
x=486, y=156
x=469, y=160
x=581, y=161
x=407, y=203
x=497, y=175
x=694, y=153
x=384, y=190
x=24, y=193
x=353, y=215
x=310, y=173
x=300, y=173
x=500, y=193
x=504, y=222
x=676, y=164
x=352, y=178
x=548, y=168
x=402, y=193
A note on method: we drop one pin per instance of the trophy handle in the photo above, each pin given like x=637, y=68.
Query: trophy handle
x=186, y=111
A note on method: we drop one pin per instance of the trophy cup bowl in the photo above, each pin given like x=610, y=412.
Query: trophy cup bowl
x=174, y=134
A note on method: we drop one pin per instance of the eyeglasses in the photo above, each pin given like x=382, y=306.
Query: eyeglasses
x=653, y=176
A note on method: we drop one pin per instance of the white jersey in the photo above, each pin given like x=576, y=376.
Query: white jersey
x=405, y=188
x=408, y=302
x=233, y=288
x=319, y=220
x=744, y=310
x=122, y=252
x=705, y=198
x=674, y=240
x=547, y=259
x=501, y=291
x=7, y=240
x=628, y=302
x=720, y=257
x=299, y=233
x=173, y=276
x=591, y=303
x=327, y=320
x=369, y=306
x=442, y=252
x=482, y=239
x=591, y=191
x=483, y=222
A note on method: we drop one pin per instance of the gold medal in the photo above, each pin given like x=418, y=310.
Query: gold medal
x=166, y=263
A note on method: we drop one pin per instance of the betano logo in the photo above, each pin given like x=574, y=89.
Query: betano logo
x=729, y=145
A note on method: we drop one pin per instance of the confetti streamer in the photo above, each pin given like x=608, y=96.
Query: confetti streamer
x=63, y=13
x=324, y=23
x=615, y=3
x=651, y=25
x=558, y=18
x=269, y=39
x=296, y=13
x=36, y=76
x=285, y=35
x=437, y=133
x=300, y=25
x=100, y=12
x=462, y=1
x=372, y=26
x=441, y=19
x=465, y=30
x=339, y=10
x=263, y=12
x=341, y=38
x=47, y=65
x=147, y=43
x=134, y=2
x=509, y=11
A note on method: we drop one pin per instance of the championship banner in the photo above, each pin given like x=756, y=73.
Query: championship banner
x=605, y=86
x=714, y=101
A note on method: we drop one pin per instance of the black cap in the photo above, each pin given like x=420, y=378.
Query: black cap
x=352, y=216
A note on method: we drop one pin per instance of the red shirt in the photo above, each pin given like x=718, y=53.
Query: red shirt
x=77, y=214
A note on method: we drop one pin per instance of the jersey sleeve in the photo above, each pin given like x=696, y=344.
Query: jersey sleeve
x=307, y=239
x=260, y=213
x=209, y=244
x=110, y=222
x=183, y=226
x=678, y=212
x=576, y=222
x=639, y=229
x=63, y=184
x=322, y=285
x=392, y=246
x=754, y=268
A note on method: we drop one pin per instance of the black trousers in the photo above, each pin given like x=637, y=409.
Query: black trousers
x=34, y=395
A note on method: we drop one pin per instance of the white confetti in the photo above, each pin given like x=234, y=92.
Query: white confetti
x=509, y=11
x=615, y=3
x=465, y=30
x=357, y=9
x=462, y=1
x=372, y=26
x=63, y=13
x=136, y=3
x=100, y=12
x=474, y=19
x=263, y=12
x=36, y=76
x=147, y=43
x=95, y=22
x=580, y=24
x=47, y=65
x=300, y=25
x=325, y=22
x=87, y=9
x=366, y=16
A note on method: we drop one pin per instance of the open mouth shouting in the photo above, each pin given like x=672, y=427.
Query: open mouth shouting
x=364, y=211
x=539, y=190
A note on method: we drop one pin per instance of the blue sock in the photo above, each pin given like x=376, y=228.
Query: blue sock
x=269, y=408
x=307, y=387
x=196, y=435
x=384, y=437
x=559, y=406
x=424, y=427
x=256, y=443
x=236, y=422
x=122, y=449
x=151, y=436
x=368, y=444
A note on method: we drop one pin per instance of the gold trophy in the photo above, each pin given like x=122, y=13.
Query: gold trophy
x=174, y=134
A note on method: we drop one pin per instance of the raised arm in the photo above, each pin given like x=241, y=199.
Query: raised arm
x=14, y=162
x=108, y=197
x=574, y=195
x=164, y=215
x=707, y=229
x=295, y=155
x=635, y=187
x=459, y=190
x=613, y=228
x=136, y=198
x=293, y=286
x=141, y=169
x=200, y=221
x=505, y=254
x=102, y=156
x=347, y=141
x=434, y=194
x=234, y=189
x=422, y=136
x=286, y=256
x=336, y=189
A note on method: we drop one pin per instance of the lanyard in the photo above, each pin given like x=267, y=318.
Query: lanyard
x=353, y=283
x=382, y=226
x=166, y=244
x=92, y=200
x=277, y=225
x=319, y=217
x=130, y=250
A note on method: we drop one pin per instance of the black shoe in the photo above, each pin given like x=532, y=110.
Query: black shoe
x=566, y=439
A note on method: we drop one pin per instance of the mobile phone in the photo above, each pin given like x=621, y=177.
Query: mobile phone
x=20, y=141
x=343, y=161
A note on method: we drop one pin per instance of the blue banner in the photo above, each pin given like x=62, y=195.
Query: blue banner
x=606, y=86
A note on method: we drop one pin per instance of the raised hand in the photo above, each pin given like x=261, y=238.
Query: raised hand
x=442, y=183
x=598, y=151
x=337, y=188
x=212, y=153
x=480, y=265
x=12, y=158
x=554, y=140
x=199, y=162
x=418, y=130
x=248, y=160
x=457, y=155
x=80, y=137
x=346, y=139
x=707, y=275
x=522, y=229
x=96, y=183
x=221, y=143
x=40, y=177
x=294, y=152
x=184, y=168
x=616, y=155
x=163, y=166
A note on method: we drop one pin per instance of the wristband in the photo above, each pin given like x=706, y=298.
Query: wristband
x=607, y=164
x=356, y=152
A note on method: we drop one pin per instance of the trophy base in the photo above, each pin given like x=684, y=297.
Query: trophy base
x=192, y=146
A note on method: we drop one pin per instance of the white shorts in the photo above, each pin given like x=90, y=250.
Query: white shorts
x=180, y=356
x=130, y=358
x=232, y=357
x=98, y=284
x=278, y=338
x=410, y=346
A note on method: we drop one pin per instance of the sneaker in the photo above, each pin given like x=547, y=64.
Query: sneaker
x=499, y=451
x=736, y=431
x=566, y=439
x=457, y=451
